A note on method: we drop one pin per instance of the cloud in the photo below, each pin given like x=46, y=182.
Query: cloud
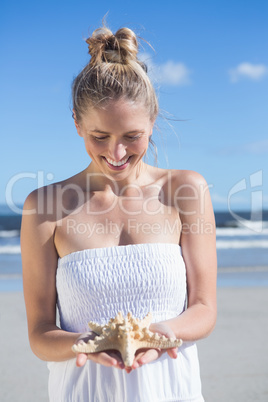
x=169, y=73
x=253, y=72
x=251, y=148
x=256, y=148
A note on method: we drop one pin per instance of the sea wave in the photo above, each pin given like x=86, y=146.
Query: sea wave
x=253, y=225
x=227, y=244
x=10, y=249
x=240, y=232
x=9, y=233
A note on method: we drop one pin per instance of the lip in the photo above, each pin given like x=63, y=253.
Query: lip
x=122, y=167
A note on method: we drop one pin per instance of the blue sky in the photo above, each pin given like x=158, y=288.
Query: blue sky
x=210, y=68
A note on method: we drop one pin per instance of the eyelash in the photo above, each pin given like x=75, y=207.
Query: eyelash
x=100, y=139
x=134, y=138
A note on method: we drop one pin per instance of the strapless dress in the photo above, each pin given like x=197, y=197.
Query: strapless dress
x=94, y=285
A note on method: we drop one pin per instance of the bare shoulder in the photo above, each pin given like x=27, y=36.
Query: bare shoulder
x=39, y=203
x=48, y=203
x=183, y=182
x=38, y=219
x=187, y=177
x=41, y=212
x=190, y=193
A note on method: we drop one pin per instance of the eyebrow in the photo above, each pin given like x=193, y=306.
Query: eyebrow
x=108, y=133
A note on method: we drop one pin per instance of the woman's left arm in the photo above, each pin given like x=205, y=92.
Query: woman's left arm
x=198, y=244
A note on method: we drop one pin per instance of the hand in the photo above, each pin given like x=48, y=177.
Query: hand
x=107, y=358
x=145, y=356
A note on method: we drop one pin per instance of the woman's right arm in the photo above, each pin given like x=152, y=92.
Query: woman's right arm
x=39, y=263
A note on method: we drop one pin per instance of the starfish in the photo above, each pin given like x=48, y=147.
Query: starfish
x=126, y=335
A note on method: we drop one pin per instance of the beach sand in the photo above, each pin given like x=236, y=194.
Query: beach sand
x=233, y=359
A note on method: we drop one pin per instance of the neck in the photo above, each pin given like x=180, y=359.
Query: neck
x=99, y=181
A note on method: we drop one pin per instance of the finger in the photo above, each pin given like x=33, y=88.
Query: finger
x=118, y=358
x=81, y=359
x=173, y=353
x=149, y=356
x=104, y=359
x=101, y=358
x=137, y=360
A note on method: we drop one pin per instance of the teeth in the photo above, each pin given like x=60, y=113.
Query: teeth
x=120, y=163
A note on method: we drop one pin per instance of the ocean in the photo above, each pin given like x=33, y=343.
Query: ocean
x=242, y=249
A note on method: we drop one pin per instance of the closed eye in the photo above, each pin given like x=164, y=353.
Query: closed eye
x=95, y=138
x=133, y=138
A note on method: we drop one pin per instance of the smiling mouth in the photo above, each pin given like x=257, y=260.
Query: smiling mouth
x=117, y=164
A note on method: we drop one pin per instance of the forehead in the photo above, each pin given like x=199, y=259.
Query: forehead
x=117, y=113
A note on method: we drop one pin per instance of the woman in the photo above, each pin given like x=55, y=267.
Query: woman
x=119, y=236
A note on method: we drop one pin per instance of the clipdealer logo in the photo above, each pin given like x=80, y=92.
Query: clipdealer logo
x=254, y=184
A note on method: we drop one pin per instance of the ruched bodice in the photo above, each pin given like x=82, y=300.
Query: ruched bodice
x=96, y=284
x=137, y=278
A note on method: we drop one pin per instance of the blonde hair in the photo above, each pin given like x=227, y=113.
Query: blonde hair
x=113, y=72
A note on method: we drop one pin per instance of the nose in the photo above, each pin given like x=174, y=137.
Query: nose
x=117, y=151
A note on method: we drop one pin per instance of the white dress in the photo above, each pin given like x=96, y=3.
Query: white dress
x=94, y=285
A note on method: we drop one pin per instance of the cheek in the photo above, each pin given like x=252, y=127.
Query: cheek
x=141, y=146
x=93, y=149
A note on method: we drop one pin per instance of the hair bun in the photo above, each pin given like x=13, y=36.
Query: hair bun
x=104, y=46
